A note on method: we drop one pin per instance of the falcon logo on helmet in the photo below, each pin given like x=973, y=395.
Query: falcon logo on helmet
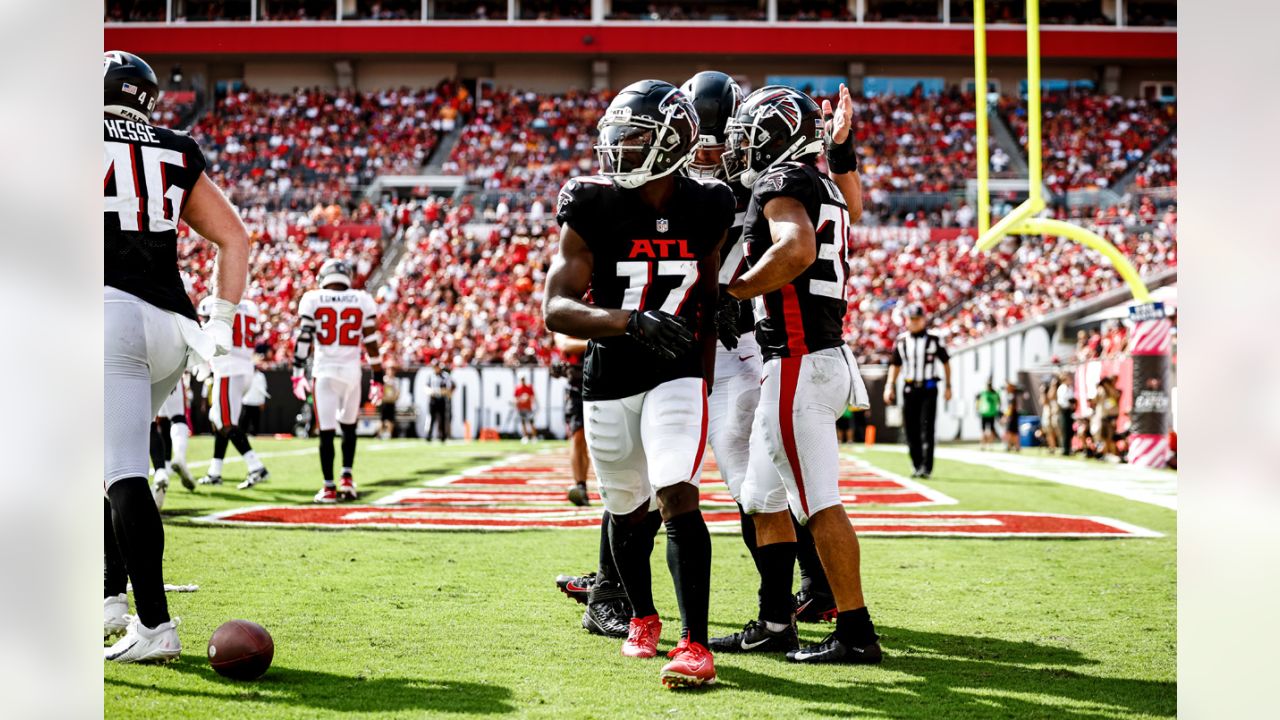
x=334, y=271
x=774, y=124
x=648, y=132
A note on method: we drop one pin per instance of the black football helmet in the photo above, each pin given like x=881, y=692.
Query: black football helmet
x=774, y=124
x=130, y=86
x=716, y=97
x=648, y=132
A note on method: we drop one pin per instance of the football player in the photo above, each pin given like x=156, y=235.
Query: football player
x=645, y=239
x=339, y=321
x=231, y=376
x=169, y=435
x=152, y=178
x=796, y=235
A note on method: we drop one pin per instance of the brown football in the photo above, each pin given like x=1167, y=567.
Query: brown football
x=241, y=650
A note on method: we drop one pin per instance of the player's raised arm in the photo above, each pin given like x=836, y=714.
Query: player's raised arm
x=842, y=155
x=794, y=249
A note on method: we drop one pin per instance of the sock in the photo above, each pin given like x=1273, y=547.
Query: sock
x=115, y=578
x=348, y=446
x=812, y=577
x=141, y=539
x=854, y=627
x=241, y=441
x=776, y=564
x=689, y=559
x=166, y=440
x=219, y=447
x=606, y=570
x=156, y=447
x=179, y=433
x=326, y=456
x=252, y=462
x=632, y=544
x=215, y=467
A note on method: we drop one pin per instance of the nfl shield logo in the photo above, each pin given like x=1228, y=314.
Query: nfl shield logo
x=663, y=225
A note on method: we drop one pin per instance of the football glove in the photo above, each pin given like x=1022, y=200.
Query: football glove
x=301, y=387
x=221, y=314
x=728, y=312
x=375, y=392
x=661, y=332
x=559, y=369
x=201, y=372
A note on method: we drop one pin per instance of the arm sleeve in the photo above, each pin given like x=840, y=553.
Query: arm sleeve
x=897, y=356
x=943, y=355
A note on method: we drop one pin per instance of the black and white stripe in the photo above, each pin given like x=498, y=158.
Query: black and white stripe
x=439, y=383
x=920, y=356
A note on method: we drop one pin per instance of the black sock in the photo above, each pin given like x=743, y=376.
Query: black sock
x=240, y=440
x=812, y=577
x=157, y=446
x=632, y=544
x=348, y=445
x=326, y=455
x=166, y=439
x=220, y=445
x=689, y=558
x=854, y=627
x=141, y=539
x=776, y=564
x=114, y=576
x=606, y=570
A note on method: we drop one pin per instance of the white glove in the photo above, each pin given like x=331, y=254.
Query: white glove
x=222, y=313
x=201, y=372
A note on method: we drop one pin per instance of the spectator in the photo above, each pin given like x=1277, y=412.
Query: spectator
x=1066, y=403
x=987, y=404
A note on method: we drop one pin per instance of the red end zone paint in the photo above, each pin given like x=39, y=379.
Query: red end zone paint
x=527, y=493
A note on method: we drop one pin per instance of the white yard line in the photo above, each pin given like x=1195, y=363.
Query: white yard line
x=1154, y=487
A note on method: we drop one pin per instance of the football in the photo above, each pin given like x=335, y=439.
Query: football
x=241, y=650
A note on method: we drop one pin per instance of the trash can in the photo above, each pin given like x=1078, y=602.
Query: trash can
x=1027, y=427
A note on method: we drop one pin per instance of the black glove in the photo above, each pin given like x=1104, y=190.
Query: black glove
x=663, y=333
x=728, y=312
x=559, y=369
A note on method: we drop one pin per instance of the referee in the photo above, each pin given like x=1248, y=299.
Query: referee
x=916, y=356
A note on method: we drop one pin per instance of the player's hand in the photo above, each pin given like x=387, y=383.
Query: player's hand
x=663, y=333
x=375, y=392
x=220, y=331
x=842, y=156
x=301, y=387
x=559, y=369
x=890, y=397
x=946, y=394
x=728, y=313
x=201, y=372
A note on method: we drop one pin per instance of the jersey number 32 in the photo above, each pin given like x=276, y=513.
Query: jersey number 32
x=340, y=328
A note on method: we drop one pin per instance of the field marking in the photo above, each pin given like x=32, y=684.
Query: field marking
x=1153, y=487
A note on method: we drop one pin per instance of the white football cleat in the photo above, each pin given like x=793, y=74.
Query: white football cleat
x=115, y=614
x=146, y=645
x=254, y=477
x=160, y=488
x=184, y=474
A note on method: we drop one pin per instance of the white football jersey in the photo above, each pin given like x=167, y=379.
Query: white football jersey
x=244, y=336
x=340, y=317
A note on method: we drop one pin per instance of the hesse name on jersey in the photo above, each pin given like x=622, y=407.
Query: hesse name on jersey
x=643, y=259
x=340, y=317
x=148, y=174
x=807, y=314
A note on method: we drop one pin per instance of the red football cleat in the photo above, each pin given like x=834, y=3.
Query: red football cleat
x=327, y=495
x=691, y=666
x=642, y=637
x=347, y=488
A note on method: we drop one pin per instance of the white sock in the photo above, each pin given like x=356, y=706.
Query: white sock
x=215, y=467
x=251, y=459
x=179, y=433
x=775, y=627
x=346, y=470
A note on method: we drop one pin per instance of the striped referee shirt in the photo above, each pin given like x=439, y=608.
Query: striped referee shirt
x=920, y=356
x=439, y=383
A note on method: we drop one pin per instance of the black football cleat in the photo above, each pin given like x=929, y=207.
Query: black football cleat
x=832, y=651
x=578, y=495
x=610, y=618
x=756, y=637
x=815, y=607
x=576, y=587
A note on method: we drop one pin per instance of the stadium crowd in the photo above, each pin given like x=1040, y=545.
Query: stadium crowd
x=467, y=287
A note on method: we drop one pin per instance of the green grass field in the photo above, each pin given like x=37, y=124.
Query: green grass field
x=404, y=624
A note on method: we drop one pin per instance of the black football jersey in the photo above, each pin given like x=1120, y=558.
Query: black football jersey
x=733, y=257
x=643, y=259
x=149, y=174
x=807, y=314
